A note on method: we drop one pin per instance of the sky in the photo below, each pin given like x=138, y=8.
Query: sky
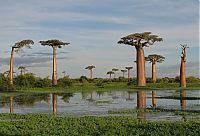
x=93, y=29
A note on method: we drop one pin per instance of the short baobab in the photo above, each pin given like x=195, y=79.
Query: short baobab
x=154, y=58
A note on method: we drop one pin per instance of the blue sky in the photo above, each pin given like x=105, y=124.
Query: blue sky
x=93, y=29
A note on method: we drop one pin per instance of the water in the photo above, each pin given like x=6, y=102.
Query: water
x=99, y=103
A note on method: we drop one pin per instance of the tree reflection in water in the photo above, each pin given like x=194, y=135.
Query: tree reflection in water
x=154, y=99
x=54, y=102
x=141, y=104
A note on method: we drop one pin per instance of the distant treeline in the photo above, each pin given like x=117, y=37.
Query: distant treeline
x=29, y=80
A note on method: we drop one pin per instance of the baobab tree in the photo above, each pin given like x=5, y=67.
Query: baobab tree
x=115, y=70
x=153, y=58
x=54, y=44
x=129, y=68
x=22, y=70
x=123, y=71
x=139, y=41
x=90, y=69
x=17, y=48
x=110, y=73
x=183, y=66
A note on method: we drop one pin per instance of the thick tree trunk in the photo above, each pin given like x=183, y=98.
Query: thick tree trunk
x=110, y=76
x=54, y=76
x=11, y=104
x=141, y=99
x=154, y=99
x=183, y=99
x=183, y=73
x=128, y=74
x=11, y=66
x=141, y=75
x=90, y=73
x=123, y=74
x=154, y=72
x=54, y=101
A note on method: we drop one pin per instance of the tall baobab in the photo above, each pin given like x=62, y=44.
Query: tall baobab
x=139, y=41
x=183, y=66
x=115, y=70
x=129, y=68
x=123, y=71
x=110, y=73
x=153, y=58
x=90, y=69
x=22, y=70
x=54, y=44
x=17, y=47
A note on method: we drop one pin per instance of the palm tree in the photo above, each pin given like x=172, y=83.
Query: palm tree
x=17, y=47
x=54, y=44
x=183, y=66
x=123, y=71
x=90, y=69
x=110, y=73
x=22, y=69
x=153, y=59
x=139, y=41
x=115, y=70
x=129, y=68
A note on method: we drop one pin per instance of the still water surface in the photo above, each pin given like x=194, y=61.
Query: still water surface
x=99, y=103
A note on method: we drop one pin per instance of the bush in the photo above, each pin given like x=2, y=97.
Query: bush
x=42, y=83
x=65, y=82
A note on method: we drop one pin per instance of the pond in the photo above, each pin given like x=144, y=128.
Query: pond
x=99, y=103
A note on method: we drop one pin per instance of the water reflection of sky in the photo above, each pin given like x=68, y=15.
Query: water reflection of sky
x=93, y=103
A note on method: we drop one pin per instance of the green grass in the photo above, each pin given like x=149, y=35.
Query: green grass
x=116, y=86
x=102, y=101
x=151, y=110
x=44, y=124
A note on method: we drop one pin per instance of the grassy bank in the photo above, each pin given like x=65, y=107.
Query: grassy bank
x=117, y=86
x=41, y=124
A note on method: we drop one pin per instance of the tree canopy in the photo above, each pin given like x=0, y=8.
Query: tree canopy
x=140, y=39
x=90, y=67
x=155, y=58
x=53, y=43
x=110, y=72
x=128, y=68
x=24, y=43
x=115, y=69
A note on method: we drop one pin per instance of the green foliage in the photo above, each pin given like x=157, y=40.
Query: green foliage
x=65, y=82
x=41, y=124
x=53, y=43
x=140, y=39
x=192, y=79
x=83, y=79
x=25, y=81
x=4, y=84
x=42, y=83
